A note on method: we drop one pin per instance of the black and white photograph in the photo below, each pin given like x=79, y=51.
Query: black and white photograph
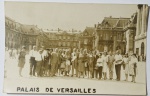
x=75, y=48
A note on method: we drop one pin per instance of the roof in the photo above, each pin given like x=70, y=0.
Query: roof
x=30, y=28
x=110, y=22
x=88, y=31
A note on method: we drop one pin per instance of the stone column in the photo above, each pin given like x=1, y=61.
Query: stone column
x=115, y=42
x=131, y=40
x=138, y=20
x=146, y=9
x=127, y=41
x=37, y=42
x=143, y=20
x=97, y=41
x=93, y=42
x=79, y=44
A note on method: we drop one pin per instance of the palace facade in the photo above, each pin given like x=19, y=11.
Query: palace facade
x=141, y=30
x=18, y=35
x=62, y=39
x=109, y=34
x=86, y=38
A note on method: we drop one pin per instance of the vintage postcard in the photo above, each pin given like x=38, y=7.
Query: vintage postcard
x=75, y=48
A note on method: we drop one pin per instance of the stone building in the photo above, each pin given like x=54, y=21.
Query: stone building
x=86, y=38
x=109, y=34
x=62, y=39
x=141, y=30
x=18, y=35
x=130, y=32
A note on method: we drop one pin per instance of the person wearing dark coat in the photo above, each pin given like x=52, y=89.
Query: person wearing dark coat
x=81, y=64
x=21, y=60
x=54, y=61
x=91, y=63
x=95, y=68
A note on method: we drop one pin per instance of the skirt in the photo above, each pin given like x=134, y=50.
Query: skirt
x=38, y=67
x=132, y=70
x=105, y=67
x=21, y=62
x=81, y=65
x=67, y=68
x=63, y=65
x=126, y=68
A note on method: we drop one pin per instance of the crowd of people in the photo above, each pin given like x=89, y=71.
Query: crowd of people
x=81, y=63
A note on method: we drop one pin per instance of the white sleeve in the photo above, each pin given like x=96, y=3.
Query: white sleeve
x=120, y=57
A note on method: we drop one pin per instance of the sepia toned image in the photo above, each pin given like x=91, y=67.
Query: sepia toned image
x=75, y=48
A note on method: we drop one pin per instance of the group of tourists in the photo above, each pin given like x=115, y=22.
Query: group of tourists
x=81, y=63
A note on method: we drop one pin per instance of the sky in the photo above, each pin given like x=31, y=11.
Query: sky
x=66, y=16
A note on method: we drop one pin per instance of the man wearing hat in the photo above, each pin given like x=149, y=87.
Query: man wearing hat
x=32, y=55
x=45, y=57
x=118, y=62
x=39, y=62
x=110, y=64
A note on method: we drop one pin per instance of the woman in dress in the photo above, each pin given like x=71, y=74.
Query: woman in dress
x=105, y=61
x=81, y=64
x=21, y=60
x=63, y=63
x=59, y=63
x=133, y=65
x=126, y=65
x=67, y=68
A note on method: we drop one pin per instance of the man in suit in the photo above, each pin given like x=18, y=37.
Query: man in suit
x=32, y=55
x=54, y=61
x=118, y=62
x=111, y=64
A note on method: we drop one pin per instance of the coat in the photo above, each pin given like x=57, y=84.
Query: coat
x=91, y=63
x=21, y=59
x=54, y=58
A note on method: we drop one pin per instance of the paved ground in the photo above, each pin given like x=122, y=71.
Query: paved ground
x=101, y=86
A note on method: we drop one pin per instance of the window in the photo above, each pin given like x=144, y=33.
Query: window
x=85, y=33
x=64, y=37
x=106, y=36
x=64, y=44
x=85, y=41
x=59, y=37
x=74, y=44
x=59, y=44
x=68, y=43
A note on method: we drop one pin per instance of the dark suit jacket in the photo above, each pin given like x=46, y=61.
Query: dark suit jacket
x=54, y=58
